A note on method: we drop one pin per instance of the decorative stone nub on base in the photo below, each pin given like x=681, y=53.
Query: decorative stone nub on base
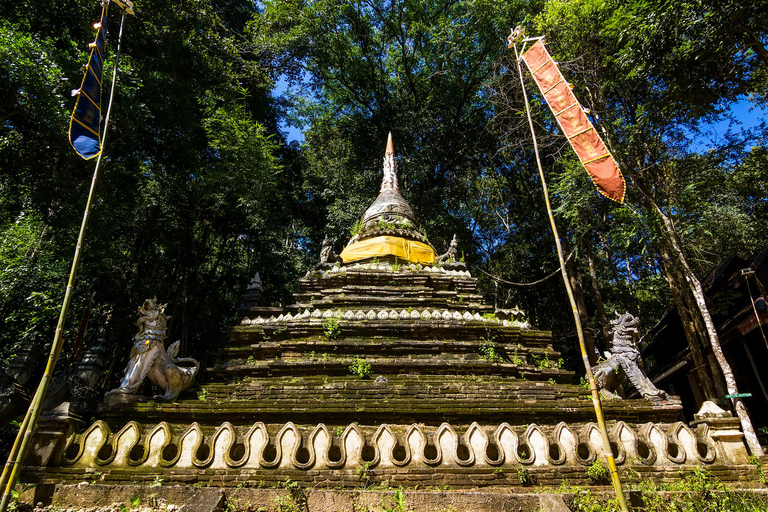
x=723, y=428
x=253, y=296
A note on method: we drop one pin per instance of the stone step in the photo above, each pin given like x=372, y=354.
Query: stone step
x=373, y=410
x=386, y=366
x=321, y=348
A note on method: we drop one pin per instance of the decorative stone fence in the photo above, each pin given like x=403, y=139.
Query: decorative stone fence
x=389, y=450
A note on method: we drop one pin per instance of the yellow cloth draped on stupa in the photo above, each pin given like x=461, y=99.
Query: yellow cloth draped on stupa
x=406, y=250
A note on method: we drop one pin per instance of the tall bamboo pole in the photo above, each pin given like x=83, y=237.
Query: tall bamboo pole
x=615, y=481
x=23, y=440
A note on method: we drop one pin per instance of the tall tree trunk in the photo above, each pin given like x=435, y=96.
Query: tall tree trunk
x=714, y=340
x=691, y=336
x=574, y=276
x=619, y=284
x=605, y=326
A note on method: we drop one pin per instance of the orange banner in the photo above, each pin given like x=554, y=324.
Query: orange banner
x=589, y=147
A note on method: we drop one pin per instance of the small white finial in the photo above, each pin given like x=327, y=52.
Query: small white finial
x=389, y=181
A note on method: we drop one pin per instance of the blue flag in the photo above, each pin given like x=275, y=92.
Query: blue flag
x=84, y=126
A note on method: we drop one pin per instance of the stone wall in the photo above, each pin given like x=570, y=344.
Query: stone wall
x=413, y=455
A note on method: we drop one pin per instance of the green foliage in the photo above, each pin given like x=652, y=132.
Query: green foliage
x=191, y=200
x=755, y=461
x=364, y=474
x=331, y=329
x=541, y=361
x=399, y=504
x=489, y=351
x=697, y=491
x=523, y=476
x=357, y=227
x=383, y=225
x=597, y=471
x=360, y=368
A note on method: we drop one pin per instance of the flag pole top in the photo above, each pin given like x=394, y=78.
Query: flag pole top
x=126, y=5
x=514, y=35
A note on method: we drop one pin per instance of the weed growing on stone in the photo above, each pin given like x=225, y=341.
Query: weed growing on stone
x=360, y=368
x=13, y=504
x=541, y=361
x=331, y=329
x=522, y=475
x=385, y=226
x=399, y=505
x=356, y=228
x=516, y=359
x=755, y=460
x=365, y=475
x=597, y=472
x=699, y=491
x=489, y=352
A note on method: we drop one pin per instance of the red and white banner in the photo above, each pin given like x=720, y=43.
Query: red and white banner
x=589, y=147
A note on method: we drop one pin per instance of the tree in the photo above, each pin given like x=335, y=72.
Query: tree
x=643, y=112
x=194, y=198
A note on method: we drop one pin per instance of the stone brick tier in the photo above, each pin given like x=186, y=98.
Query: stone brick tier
x=404, y=399
x=380, y=285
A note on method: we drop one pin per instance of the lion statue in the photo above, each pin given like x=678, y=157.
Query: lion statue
x=149, y=357
x=624, y=362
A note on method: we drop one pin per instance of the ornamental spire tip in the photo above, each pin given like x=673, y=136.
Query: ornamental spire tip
x=389, y=181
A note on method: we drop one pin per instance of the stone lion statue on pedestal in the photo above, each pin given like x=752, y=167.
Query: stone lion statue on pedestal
x=149, y=358
x=624, y=362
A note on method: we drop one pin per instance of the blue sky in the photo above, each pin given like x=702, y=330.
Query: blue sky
x=742, y=115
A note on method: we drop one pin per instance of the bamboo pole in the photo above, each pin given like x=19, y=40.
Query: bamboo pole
x=615, y=480
x=23, y=440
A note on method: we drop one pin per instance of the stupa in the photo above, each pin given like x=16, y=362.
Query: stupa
x=388, y=369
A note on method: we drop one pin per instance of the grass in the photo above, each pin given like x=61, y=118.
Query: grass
x=697, y=491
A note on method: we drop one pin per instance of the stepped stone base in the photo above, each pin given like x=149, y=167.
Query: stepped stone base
x=453, y=396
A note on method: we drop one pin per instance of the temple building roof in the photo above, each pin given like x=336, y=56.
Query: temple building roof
x=389, y=226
